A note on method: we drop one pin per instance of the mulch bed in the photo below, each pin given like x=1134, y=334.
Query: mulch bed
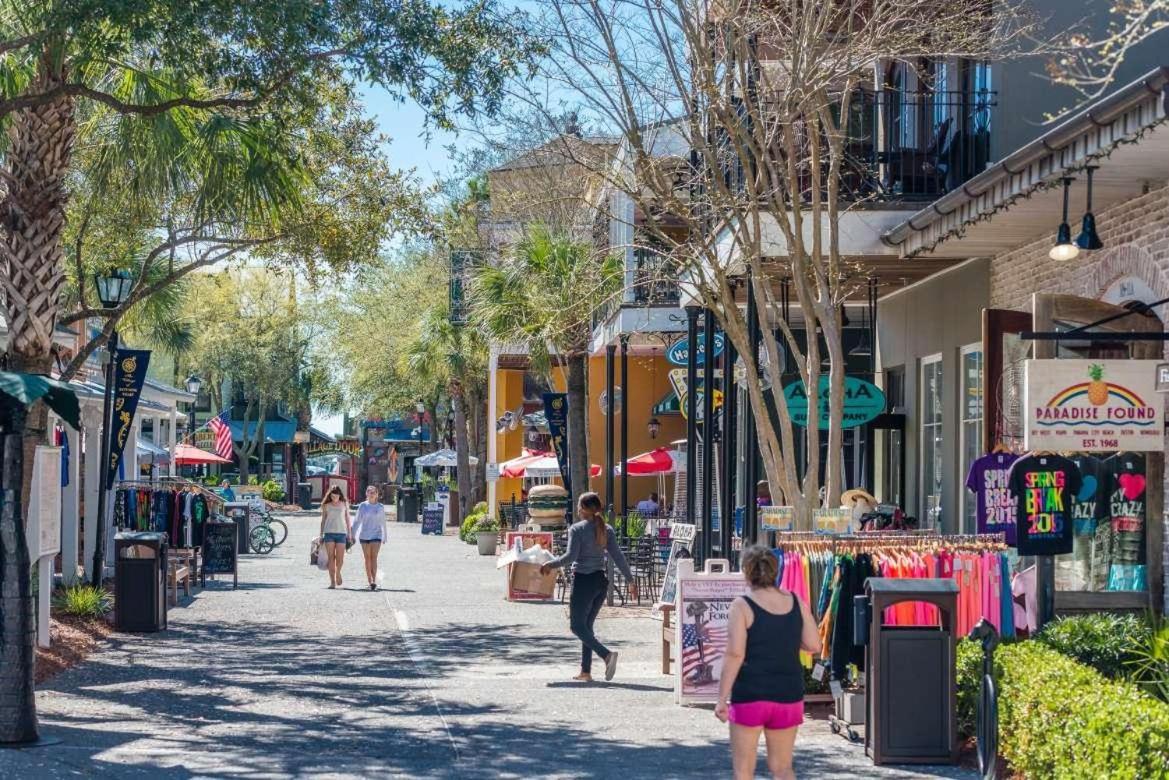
x=71, y=640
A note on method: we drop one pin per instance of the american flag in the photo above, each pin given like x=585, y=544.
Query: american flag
x=222, y=431
x=714, y=643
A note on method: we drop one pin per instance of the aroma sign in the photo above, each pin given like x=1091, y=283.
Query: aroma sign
x=1093, y=405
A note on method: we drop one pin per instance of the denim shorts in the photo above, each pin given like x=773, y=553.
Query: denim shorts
x=371, y=541
x=337, y=538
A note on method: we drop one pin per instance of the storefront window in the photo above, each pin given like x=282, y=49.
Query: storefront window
x=971, y=430
x=931, y=442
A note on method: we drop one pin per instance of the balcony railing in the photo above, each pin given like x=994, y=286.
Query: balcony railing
x=904, y=145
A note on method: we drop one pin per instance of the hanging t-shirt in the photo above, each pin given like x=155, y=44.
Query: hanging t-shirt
x=1090, y=504
x=995, y=504
x=1045, y=486
x=1126, y=506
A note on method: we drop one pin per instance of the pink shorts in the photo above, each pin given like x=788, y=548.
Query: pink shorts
x=771, y=715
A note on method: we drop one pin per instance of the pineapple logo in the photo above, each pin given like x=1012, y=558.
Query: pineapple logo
x=1097, y=388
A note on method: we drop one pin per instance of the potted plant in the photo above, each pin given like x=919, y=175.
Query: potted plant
x=487, y=535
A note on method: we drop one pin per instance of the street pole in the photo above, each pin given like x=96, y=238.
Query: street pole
x=750, y=435
x=730, y=451
x=610, y=351
x=625, y=433
x=692, y=416
x=104, y=483
x=708, y=434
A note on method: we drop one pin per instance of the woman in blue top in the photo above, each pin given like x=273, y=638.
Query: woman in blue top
x=588, y=542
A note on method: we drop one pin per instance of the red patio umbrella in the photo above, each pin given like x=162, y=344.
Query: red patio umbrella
x=516, y=466
x=186, y=455
x=663, y=460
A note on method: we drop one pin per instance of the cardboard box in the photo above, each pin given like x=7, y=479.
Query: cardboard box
x=526, y=583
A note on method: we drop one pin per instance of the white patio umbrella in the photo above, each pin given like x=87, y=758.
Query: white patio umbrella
x=446, y=458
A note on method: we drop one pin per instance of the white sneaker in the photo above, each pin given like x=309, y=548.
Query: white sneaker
x=611, y=665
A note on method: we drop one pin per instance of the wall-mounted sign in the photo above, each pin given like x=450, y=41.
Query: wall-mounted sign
x=603, y=400
x=1093, y=405
x=863, y=402
x=681, y=389
x=492, y=472
x=679, y=352
x=1163, y=377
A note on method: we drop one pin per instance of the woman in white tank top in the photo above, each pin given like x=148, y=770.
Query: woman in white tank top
x=336, y=532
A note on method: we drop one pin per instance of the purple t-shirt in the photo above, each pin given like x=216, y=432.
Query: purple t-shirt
x=987, y=480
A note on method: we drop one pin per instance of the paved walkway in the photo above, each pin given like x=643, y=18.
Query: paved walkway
x=433, y=676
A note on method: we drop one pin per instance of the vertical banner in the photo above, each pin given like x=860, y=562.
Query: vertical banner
x=556, y=413
x=129, y=374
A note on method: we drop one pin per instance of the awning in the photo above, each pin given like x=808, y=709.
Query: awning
x=150, y=449
x=30, y=388
x=275, y=431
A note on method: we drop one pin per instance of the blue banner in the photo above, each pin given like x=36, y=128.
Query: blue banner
x=556, y=413
x=129, y=374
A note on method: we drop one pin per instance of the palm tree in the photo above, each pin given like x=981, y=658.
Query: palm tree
x=542, y=296
x=452, y=357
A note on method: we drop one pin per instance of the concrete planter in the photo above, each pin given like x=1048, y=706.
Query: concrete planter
x=487, y=541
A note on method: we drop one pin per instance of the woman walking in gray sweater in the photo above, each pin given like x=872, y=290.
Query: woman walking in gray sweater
x=588, y=543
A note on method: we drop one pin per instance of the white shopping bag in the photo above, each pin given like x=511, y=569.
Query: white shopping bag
x=322, y=558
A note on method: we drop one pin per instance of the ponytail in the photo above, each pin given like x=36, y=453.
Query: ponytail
x=590, y=503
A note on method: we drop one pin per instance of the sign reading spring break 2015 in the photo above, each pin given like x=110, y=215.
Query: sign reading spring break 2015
x=1093, y=406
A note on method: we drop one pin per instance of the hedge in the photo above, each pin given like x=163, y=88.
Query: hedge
x=1061, y=719
x=1107, y=642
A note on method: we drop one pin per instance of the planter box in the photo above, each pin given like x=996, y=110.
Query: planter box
x=487, y=541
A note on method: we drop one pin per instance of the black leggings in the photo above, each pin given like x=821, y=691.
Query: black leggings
x=588, y=595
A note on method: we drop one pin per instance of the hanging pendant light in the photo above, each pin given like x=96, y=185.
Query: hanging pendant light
x=1088, y=238
x=1064, y=249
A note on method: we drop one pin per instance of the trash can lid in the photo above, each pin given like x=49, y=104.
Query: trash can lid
x=910, y=585
x=139, y=536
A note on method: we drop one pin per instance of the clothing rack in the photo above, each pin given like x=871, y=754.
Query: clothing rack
x=876, y=539
x=186, y=484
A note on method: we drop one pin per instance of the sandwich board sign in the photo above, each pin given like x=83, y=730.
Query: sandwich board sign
x=702, y=609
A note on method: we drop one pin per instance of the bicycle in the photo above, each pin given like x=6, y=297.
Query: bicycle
x=277, y=527
x=261, y=540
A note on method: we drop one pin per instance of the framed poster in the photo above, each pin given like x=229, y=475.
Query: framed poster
x=702, y=607
x=679, y=550
x=43, y=520
x=832, y=521
x=777, y=518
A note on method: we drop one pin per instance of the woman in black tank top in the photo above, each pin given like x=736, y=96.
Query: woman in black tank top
x=762, y=685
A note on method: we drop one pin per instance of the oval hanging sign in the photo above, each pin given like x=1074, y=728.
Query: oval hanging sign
x=679, y=353
x=863, y=402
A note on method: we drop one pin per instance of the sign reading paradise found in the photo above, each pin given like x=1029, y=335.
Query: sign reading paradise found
x=863, y=402
x=1093, y=405
x=129, y=374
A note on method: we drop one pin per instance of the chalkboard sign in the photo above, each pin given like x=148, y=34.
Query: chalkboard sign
x=219, y=555
x=432, y=519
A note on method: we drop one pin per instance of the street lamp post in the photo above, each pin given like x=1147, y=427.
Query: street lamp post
x=194, y=385
x=113, y=289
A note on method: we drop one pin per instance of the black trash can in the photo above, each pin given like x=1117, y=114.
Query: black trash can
x=237, y=512
x=407, y=504
x=140, y=581
x=304, y=495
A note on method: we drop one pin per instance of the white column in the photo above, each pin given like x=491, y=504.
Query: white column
x=91, y=422
x=173, y=439
x=71, y=509
x=492, y=436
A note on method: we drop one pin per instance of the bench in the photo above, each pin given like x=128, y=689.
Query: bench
x=667, y=611
x=181, y=567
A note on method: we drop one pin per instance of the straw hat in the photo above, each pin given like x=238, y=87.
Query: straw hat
x=849, y=497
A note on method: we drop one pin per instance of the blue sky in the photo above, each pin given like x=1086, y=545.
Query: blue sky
x=404, y=124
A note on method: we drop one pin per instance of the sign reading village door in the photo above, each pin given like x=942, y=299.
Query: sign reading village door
x=1093, y=405
x=863, y=401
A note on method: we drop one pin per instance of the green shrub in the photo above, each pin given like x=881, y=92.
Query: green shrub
x=635, y=525
x=466, y=530
x=969, y=679
x=273, y=491
x=485, y=525
x=83, y=601
x=1060, y=718
x=480, y=508
x=1150, y=667
x=1105, y=641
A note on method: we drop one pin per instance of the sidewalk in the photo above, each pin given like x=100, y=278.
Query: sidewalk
x=433, y=676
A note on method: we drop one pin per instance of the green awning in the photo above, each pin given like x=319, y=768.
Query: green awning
x=30, y=388
x=668, y=405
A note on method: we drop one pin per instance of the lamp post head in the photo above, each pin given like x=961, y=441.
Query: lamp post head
x=194, y=384
x=113, y=287
x=654, y=426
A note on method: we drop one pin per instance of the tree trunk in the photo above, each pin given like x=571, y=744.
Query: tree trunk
x=18, y=714
x=462, y=451
x=479, y=436
x=32, y=217
x=578, y=447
